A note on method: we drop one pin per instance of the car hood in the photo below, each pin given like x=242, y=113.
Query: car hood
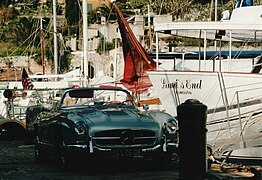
x=117, y=118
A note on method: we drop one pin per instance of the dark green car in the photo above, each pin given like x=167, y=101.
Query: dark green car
x=103, y=122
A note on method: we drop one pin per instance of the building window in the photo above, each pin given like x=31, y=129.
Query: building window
x=91, y=71
x=89, y=7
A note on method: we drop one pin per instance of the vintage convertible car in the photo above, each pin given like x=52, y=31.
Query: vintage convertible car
x=103, y=122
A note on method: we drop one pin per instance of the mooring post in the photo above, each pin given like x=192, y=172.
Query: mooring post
x=192, y=140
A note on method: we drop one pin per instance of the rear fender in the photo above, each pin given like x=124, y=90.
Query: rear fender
x=11, y=129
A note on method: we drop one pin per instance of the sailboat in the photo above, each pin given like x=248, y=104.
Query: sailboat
x=234, y=99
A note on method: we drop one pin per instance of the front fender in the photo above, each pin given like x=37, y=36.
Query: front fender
x=161, y=117
x=169, y=126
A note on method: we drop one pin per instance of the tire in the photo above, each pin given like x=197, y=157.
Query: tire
x=39, y=154
x=28, y=138
x=61, y=155
x=163, y=160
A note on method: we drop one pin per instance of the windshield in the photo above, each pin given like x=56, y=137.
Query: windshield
x=96, y=97
x=18, y=110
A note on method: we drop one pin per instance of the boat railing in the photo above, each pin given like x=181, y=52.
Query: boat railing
x=245, y=117
x=15, y=107
x=238, y=140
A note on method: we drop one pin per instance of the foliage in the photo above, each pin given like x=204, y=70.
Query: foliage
x=6, y=48
x=72, y=11
x=93, y=17
x=65, y=60
x=23, y=33
x=179, y=9
x=64, y=54
x=104, y=46
x=20, y=29
x=6, y=14
x=38, y=56
x=109, y=13
x=5, y=3
x=72, y=15
x=201, y=1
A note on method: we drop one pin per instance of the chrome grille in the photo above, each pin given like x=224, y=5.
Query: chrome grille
x=124, y=137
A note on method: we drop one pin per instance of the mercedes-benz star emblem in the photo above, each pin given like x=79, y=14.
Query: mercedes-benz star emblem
x=127, y=137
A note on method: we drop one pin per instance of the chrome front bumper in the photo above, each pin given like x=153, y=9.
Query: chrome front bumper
x=91, y=149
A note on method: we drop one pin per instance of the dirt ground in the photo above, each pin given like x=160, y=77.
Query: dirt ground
x=17, y=162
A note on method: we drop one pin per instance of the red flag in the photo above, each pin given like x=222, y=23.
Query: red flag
x=137, y=61
x=26, y=81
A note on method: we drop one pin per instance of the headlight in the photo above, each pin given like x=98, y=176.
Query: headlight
x=80, y=128
x=171, y=127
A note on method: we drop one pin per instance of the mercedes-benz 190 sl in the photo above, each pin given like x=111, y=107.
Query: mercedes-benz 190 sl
x=96, y=122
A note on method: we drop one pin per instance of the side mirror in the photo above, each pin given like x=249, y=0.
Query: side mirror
x=145, y=107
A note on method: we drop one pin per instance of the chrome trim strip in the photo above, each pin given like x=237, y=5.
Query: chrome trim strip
x=77, y=146
x=152, y=137
x=172, y=144
x=105, y=138
x=110, y=138
x=125, y=146
x=44, y=143
x=151, y=149
x=102, y=149
x=65, y=125
x=165, y=144
x=91, y=148
x=143, y=149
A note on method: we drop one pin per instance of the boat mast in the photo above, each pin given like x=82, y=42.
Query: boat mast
x=115, y=61
x=42, y=46
x=149, y=29
x=85, y=36
x=215, y=10
x=215, y=42
x=55, y=37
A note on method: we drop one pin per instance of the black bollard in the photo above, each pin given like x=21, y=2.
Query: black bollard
x=192, y=140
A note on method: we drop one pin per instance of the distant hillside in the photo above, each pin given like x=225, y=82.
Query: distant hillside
x=20, y=22
x=10, y=74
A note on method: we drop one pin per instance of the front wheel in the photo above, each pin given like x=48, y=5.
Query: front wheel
x=61, y=155
x=39, y=154
x=163, y=160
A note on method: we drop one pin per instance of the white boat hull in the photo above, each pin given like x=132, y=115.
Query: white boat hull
x=230, y=97
x=207, y=87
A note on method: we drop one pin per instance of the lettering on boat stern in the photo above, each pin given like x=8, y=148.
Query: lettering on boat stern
x=183, y=86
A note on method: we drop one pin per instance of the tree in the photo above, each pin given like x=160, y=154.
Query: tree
x=5, y=3
x=72, y=14
x=104, y=46
x=6, y=14
x=65, y=60
x=64, y=54
x=109, y=12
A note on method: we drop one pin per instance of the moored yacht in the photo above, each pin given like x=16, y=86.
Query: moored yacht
x=233, y=98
